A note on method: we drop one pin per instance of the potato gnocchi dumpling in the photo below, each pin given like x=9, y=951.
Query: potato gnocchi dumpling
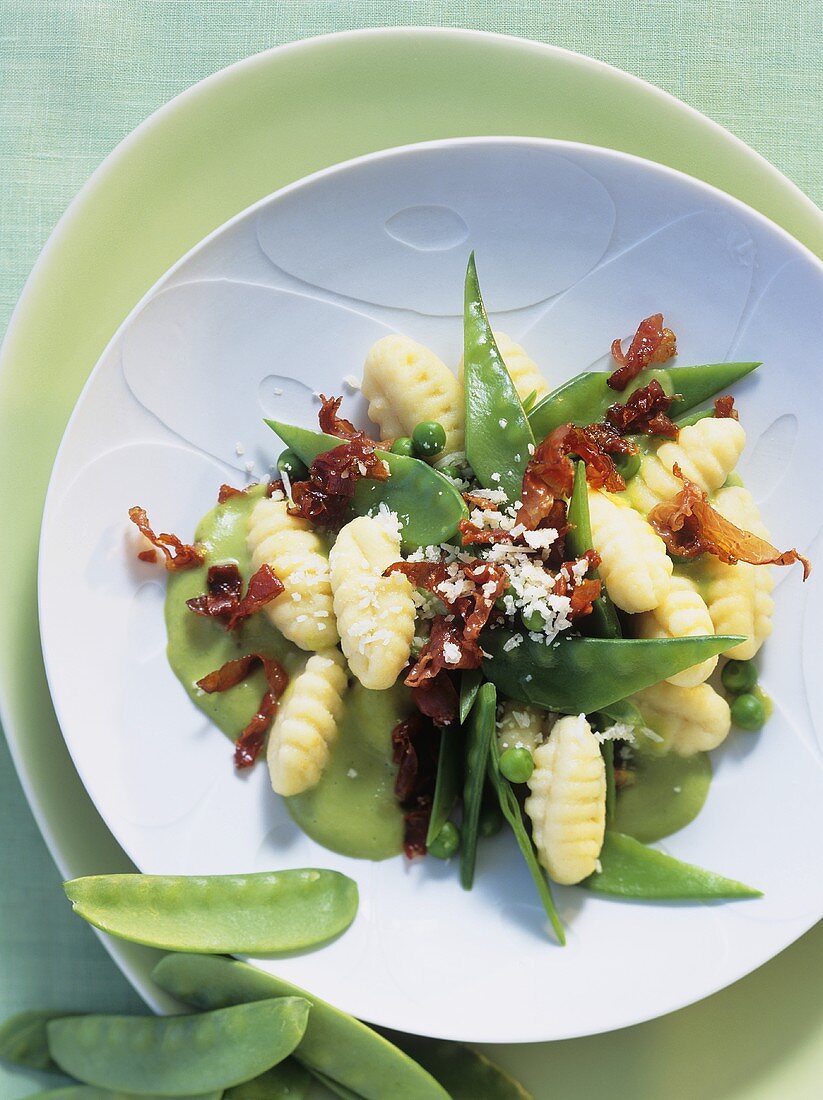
x=523, y=370
x=682, y=613
x=520, y=726
x=567, y=801
x=406, y=383
x=739, y=596
x=305, y=726
x=375, y=614
x=303, y=613
x=706, y=453
x=634, y=565
x=689, y=719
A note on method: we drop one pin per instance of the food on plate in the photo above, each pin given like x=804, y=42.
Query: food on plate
x=531, y=589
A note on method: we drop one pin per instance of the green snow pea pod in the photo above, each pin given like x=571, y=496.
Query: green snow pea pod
x=665, y=794
x=586, y=397
x=578, y=675
x=92, y=1092
x=479, y=736
x=631, y=870
x=23, y=1040
x=286, y=1081
x=470, y=681
x=447, y=783
x=256, y=914
x=334, y=1043
x=498, y=435
x=335, y=1087
x=179, y=1055
x=510, y=808
x=466, y=1073
x=611, y=788
x=427, y=504
x=603, y=621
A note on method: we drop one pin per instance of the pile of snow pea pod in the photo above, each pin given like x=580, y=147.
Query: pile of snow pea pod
x=251, y=1037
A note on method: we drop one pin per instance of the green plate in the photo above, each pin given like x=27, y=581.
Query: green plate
x=205, y=156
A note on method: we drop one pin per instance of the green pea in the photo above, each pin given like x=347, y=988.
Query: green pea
x=336, y=1044
x=748, y=712
x=403, y=445
x=257, y=914
x=446, y=843
x=491, y=820
x=179, y=1055
x=628, y=465
x=739, y=676
x=429, y=438
x=516, y=764
x=533, y=621
x=292, y=465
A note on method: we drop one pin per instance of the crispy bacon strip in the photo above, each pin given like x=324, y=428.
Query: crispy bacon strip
x=325, y=498
x=178, y=555
x=724, y=408
x=690, y=526
x=652, y=343
x=550, y=472
x=644, y=412
x=224, y=600
x=250, y=742
x=415, y=748
x=437, y=699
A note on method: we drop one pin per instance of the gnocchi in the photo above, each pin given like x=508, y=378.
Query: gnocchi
x=739, y=596
x=682, y=613
x=303, y=613
x=305, y=726
x=406, y=383
x=706, y=452
x=521, y=726
x=375, y=614
x=688, y=719
x=634, y=565
x=567, y=801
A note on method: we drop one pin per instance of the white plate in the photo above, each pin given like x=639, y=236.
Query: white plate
x=576, y=243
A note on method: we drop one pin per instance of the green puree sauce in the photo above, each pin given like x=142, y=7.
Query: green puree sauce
x=352, y=810
x=667, y=793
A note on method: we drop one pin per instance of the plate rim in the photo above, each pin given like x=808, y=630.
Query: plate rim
x=16, y=738
x=53, y=500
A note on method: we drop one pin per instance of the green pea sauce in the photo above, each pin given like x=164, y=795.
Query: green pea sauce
x=667, y=793
x=352, y=810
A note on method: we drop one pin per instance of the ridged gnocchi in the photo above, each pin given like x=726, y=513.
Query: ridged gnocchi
x=706, y=452
x=305, y=726
x=739, y=596
x=523, y=370
x=303, y=613
x=689, y=719
x=405, y=383
x=682, y=613
x=521, y=726
x=634, y=565
x=567, y=801
x=375, y=614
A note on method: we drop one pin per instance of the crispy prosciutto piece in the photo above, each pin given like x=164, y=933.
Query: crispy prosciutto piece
x=178, y=555
x=469, y=591
x=652, y=343
x=226, y=492
x=644, y=413
x=224, y=600
x=325, y=497
x=690, y=526
x=248, y=745
x=415, y=747
x=550, y=471
x=583, y=591
x=724, y=408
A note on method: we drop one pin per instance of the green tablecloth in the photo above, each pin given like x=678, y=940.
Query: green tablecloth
x=77, y=75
